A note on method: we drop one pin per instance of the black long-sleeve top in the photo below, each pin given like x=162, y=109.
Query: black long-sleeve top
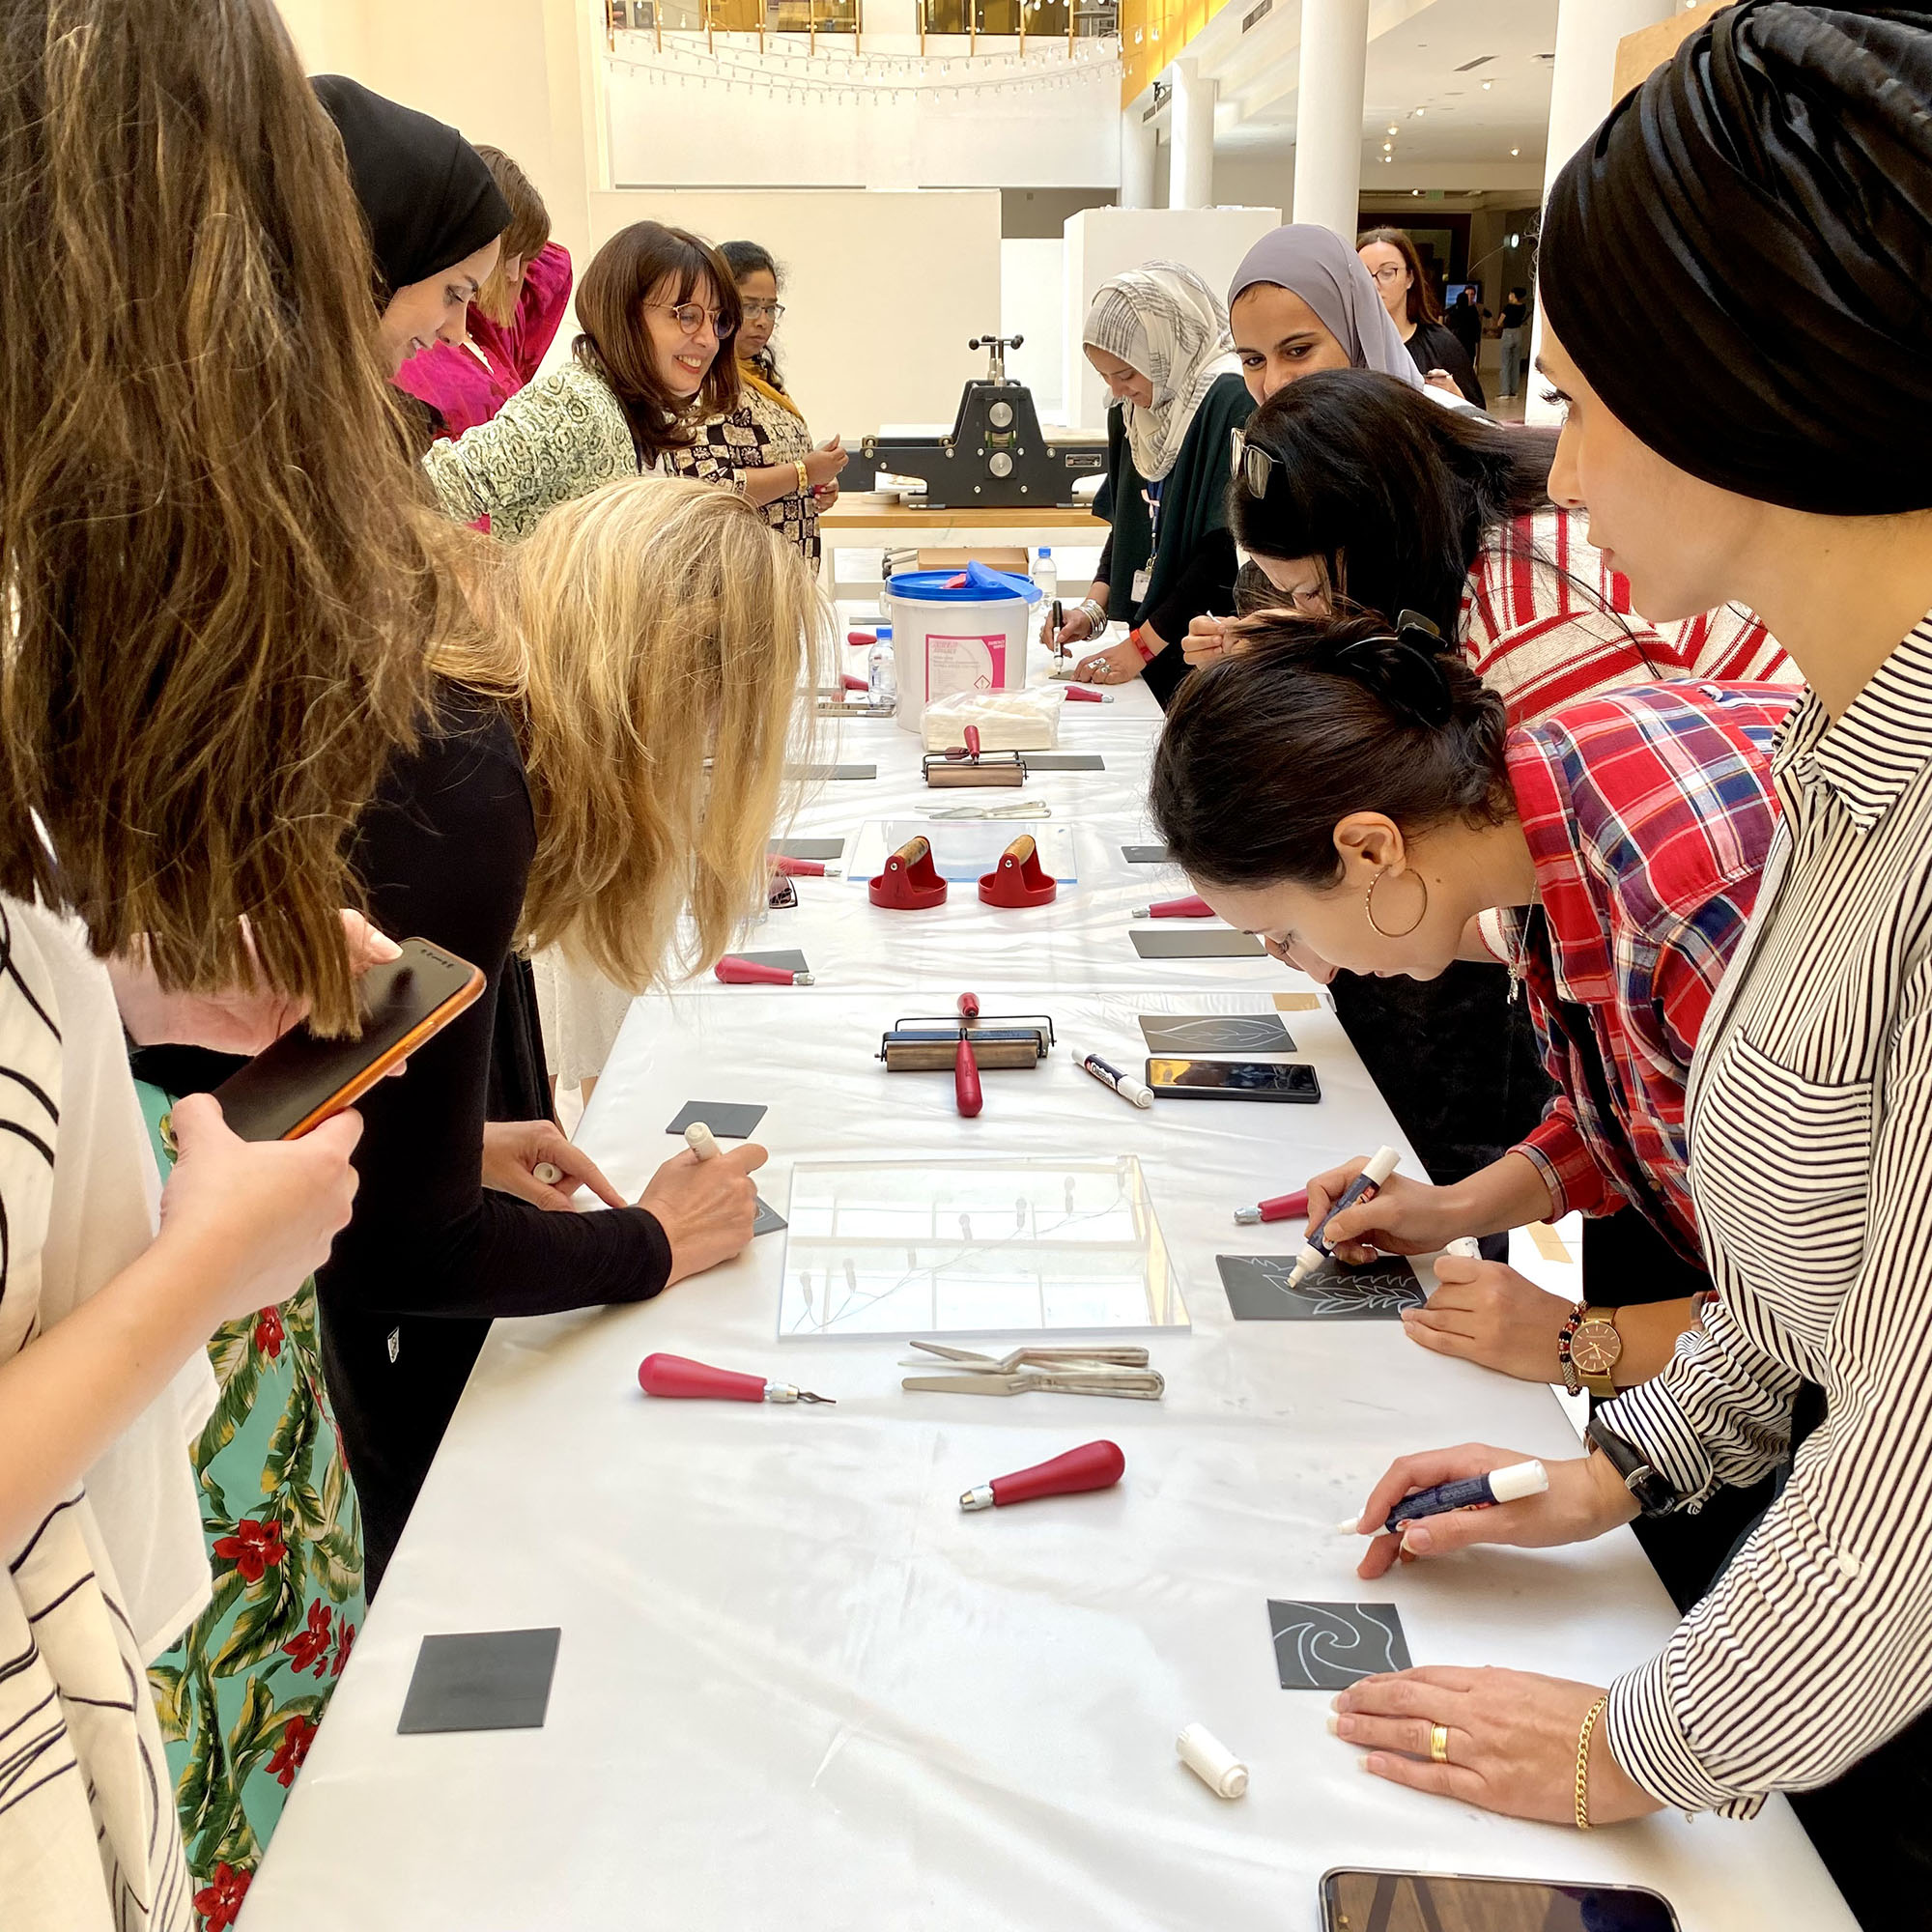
x=430, y=1254
x=1436, y=347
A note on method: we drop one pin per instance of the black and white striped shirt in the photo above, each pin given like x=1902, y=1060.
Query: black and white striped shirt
x=1810, y=1114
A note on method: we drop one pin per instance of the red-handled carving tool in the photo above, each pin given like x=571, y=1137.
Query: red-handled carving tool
x=853, y=683
x=1078, y=694
x=802, y=868
x=1093, y=1465
x=679, y=1376
x=1282, y=1207
x=1187, y=908
x=966, y=1093
x=736, y=972
x=861, y=638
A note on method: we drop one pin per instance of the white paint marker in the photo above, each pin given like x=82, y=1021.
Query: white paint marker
x=1122, y=1083
x=1507, y=1485
x=701, y=1141
x=1212, y=1762
x=1381, y=1164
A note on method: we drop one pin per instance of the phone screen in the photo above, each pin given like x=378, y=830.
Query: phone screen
x=1371, y=1901
x=288, y=1082
x=1233, y=1079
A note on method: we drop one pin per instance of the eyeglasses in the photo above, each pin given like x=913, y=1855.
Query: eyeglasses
x=1252, y=464
x=690, y=318
x=763, y=311
x=1388, y=272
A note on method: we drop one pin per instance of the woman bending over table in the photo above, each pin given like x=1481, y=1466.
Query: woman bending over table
x=1768, y=191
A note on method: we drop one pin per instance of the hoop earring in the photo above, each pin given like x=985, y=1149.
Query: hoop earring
x=1369, y=908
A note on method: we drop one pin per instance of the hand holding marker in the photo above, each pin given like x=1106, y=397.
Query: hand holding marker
x=1381, y=1164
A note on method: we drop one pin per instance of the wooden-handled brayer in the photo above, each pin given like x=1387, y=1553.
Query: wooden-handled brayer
x=968, y=766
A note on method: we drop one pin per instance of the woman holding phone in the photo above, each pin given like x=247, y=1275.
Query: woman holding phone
x=163, y=432
x=1766, y=464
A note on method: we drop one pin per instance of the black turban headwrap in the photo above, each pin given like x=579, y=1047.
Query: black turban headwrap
x=428, y=199
x=1741, y=261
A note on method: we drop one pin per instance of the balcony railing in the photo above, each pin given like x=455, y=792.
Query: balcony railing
x=1022, y=20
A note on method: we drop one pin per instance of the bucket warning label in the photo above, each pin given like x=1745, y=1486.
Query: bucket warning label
x=953, y=664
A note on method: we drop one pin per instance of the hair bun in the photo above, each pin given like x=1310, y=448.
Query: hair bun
x=1404, y=668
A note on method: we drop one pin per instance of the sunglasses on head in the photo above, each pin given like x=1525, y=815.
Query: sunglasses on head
x=1252, y=464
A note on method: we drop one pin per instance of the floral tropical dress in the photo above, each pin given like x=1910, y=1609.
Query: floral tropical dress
x=240, y=1697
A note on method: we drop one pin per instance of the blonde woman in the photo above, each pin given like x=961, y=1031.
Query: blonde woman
x=564, y=799
x=662, y=632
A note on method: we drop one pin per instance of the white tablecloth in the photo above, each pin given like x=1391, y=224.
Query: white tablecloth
x=795, y=1684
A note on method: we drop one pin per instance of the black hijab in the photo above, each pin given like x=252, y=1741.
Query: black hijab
x=427, y=197
x=1770, y=193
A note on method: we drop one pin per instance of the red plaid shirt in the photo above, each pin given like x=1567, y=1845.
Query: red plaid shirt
x=1648, y=814
x=1545, y=623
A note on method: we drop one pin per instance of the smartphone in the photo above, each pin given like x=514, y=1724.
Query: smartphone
x=299, y=1081
x=1292, y=1080
x=1384, y=1901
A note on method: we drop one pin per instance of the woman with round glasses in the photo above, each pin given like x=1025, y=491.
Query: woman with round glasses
x=763, y=446
x=657, y=304
x=1410, y=296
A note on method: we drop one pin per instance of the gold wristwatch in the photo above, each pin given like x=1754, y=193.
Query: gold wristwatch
x=1595, y=1348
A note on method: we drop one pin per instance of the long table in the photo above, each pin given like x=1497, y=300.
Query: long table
x=796, y=1684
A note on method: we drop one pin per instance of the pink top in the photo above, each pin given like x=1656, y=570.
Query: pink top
x=468, y=384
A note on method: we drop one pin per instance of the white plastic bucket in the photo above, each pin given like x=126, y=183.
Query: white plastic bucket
x=941, y=645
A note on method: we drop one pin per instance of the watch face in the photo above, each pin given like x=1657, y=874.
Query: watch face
x=1595, y=1348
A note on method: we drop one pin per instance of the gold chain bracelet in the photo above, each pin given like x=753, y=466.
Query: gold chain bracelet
x=1583, y=1737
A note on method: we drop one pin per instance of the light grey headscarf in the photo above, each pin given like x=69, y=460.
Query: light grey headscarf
x=1316, y=264
x=1164, y=320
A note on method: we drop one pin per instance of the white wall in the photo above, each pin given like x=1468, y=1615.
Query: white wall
x=1101, y=241
x=670, y=121
x=877, y=311
x=1032, y=305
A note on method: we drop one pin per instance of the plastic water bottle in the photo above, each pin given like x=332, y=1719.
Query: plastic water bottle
x=1046, y=573
x=882, y=678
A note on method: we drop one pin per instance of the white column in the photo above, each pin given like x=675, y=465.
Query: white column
x=1580, y=79
x=1137, y=145
x=1190, y=177
x=1328, y=107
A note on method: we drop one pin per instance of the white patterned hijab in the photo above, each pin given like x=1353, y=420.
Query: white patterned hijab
x=1165, y=322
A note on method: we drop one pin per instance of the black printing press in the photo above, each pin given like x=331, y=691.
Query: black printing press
x=996, y=457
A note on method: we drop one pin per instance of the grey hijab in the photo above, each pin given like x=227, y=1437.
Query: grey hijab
x=1316, y=264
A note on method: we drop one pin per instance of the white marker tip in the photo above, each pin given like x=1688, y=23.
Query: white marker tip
x=1351, y=1525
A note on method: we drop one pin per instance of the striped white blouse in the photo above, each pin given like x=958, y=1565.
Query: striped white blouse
x=1810, y=1116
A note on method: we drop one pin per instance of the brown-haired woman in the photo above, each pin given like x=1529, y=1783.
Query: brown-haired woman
x=1389, y=256
x=219, y=596
x=658, y=305
x=512, y=321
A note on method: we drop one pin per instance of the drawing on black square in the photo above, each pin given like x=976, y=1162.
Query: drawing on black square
x=1214, y=942
x=806, y=848
x=1331, y=1646
x=770, y=1221
x=1257, y=1289
x=1215, y=1033
x=729, y=1120
x=1145, y=855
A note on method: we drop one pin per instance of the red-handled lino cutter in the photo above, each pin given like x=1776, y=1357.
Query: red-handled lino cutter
x=853, y=682
x=1282, y=1207
x=736, y=972
x=680, y=1375
x=1019, y=880
x=801, y=869
x=1093, y=1465
x=1187, y=908
x=1078, y=694
x=966, y=1094
x=911, y=881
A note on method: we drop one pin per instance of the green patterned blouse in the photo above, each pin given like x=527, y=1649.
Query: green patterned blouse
x=559, y=438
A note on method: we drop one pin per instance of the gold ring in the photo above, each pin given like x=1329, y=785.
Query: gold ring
x=1438, y=1744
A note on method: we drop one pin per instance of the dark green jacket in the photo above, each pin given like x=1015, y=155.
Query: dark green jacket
x=1193, y=504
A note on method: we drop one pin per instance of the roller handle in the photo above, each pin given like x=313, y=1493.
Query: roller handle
x=969, y=1005
x=1093, y=1465
x=973, y=743
x=966, y=1080
x=679, y=1376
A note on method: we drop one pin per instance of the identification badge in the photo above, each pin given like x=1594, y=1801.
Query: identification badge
x=1142, y=579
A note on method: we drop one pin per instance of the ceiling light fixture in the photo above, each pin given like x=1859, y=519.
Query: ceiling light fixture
x=1486, y=85
x=1386, y=146
x=1514, y=151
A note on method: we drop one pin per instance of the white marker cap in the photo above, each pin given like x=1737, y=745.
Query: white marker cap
x=1212, y=1762
x=1382, y=1163
x=701, y=1141
x=1518, y=1480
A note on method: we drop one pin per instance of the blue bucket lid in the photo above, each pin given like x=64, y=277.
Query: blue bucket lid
x=981, y=585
